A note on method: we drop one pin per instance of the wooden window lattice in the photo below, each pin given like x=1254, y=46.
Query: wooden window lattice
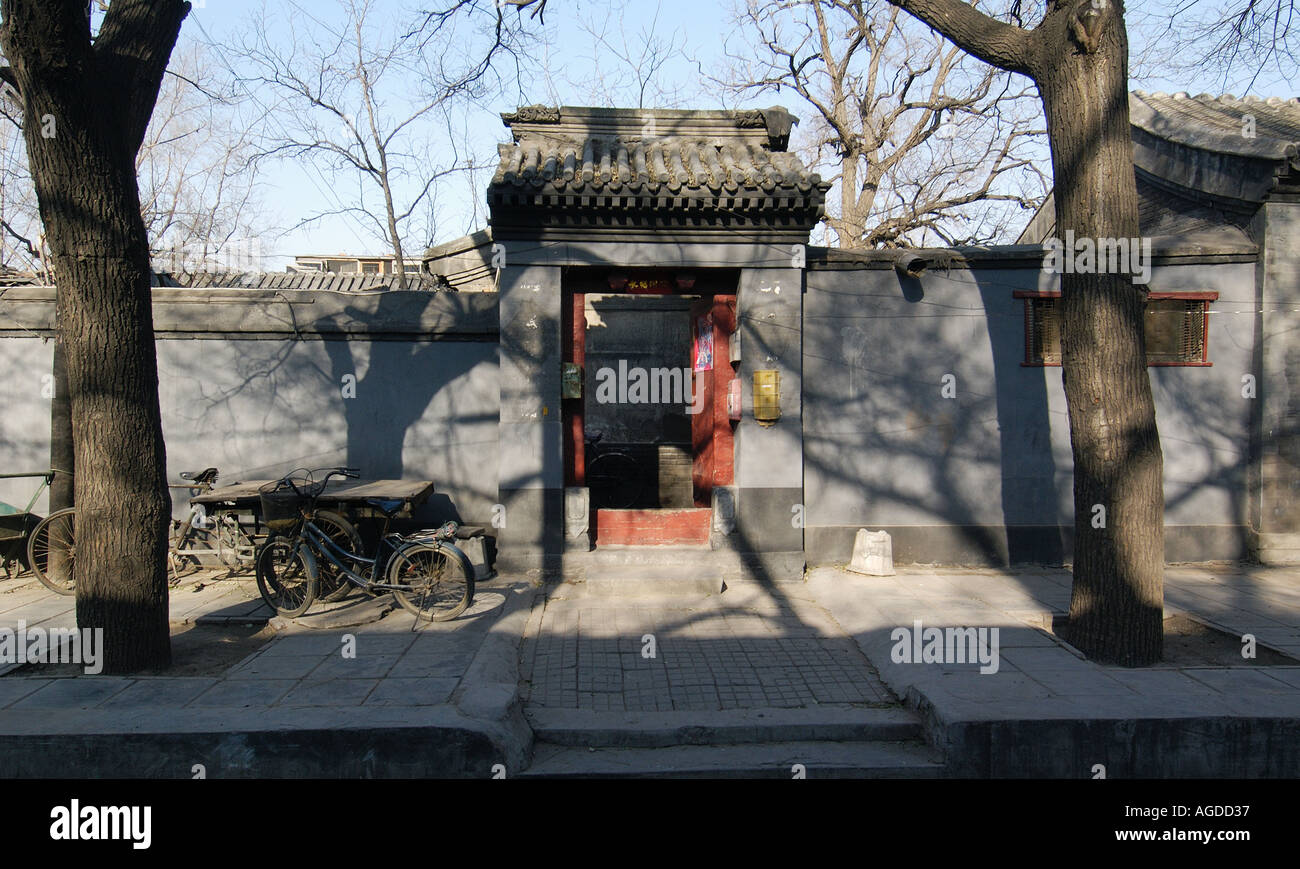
x=1175, y=331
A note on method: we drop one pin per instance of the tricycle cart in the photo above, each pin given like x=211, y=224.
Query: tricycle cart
x=47, y=546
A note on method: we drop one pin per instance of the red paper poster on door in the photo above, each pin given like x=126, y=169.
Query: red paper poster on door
x=704, y=343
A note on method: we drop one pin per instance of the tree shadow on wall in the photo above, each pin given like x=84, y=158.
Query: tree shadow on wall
x=401, y=379
x=876, y=414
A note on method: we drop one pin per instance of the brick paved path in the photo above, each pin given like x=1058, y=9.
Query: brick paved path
x=592, y=653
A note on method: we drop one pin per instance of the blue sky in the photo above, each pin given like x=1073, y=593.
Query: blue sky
x=567, y=59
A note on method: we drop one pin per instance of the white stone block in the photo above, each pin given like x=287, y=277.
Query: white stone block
x=873, y=553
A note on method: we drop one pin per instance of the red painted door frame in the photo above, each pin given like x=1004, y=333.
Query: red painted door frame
x=711, y=430
x=713, y=455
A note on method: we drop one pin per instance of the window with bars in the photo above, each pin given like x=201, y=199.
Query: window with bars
x=1177, y=327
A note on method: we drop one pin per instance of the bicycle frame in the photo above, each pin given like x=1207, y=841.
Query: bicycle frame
x=212, y=526
x=335, y=555
x=220, y=532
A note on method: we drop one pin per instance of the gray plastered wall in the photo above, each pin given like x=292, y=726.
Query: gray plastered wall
x=254, y=384
x=1275, y=492
x=530, y=464
x=984, y=476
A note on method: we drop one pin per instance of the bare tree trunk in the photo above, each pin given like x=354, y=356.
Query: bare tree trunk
x=1116, y=610
x=1078, y=56
x=87, y=106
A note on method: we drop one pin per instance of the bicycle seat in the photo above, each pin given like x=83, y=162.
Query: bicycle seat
x=388, y=506
x=208, y=475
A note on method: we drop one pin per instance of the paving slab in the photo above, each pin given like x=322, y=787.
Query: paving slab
x=664, y=654
x=160, y=692
x=73, y=693
x=14, y=689
x=329, y=692
x=423, y=691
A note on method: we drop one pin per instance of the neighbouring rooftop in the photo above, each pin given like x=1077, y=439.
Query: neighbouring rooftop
x=1204, y=163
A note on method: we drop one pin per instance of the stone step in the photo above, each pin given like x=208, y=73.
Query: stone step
x=879, y=760
x=588, y=729
x=661, y=562
x=631, y=582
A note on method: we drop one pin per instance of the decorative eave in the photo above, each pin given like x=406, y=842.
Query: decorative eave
x=572, y=172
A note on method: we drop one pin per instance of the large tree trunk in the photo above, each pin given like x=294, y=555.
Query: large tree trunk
x=1116, y=610
x=86, y=109
x=1078, y=56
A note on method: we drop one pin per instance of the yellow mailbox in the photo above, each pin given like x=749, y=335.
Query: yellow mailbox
x=767, y=397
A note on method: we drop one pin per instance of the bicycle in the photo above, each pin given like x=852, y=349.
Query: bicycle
x=427, y=575
x=202, y=538
x=49, y=544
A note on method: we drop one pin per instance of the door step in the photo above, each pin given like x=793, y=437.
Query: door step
x=689, y=569
x=631, y=582
x=879, y=760
x=823, y=742
x=587, y=729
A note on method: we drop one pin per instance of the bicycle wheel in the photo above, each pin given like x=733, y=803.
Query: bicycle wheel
x=435, y=584
x=331, y=585
x=52, y=550
x=286, y=576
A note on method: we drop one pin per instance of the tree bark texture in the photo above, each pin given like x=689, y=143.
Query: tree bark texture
x=87, y=104
x=1078, y=57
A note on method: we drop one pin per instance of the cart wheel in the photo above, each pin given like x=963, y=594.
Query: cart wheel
x=52, y=550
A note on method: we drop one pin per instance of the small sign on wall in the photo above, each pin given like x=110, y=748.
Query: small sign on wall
x=571, y=381
x=704, y=342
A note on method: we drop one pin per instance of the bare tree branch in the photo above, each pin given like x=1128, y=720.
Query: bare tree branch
x=913, y=135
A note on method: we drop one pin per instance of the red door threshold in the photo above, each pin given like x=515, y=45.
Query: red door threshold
x=653, y=527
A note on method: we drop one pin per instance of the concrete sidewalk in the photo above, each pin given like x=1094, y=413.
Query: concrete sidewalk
x=1049, y=712
x=354, y=689
x=758, y=680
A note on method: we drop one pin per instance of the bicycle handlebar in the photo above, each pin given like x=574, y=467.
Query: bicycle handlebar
x=318, y=485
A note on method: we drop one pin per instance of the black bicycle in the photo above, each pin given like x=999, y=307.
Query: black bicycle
x=48, y=546
x=427, y=574
x=218, y=538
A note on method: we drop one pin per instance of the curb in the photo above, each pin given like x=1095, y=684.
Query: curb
x=489, y=691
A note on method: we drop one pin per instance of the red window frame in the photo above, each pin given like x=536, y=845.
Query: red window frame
x=1202, y=296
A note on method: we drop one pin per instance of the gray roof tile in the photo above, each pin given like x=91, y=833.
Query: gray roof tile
x=1217, y=123
x=285, y=281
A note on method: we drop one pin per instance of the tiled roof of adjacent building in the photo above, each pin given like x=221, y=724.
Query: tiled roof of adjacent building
x=263, y=281
x=631, y=169
x=340, y=283
x=1245, y=127
x=1231, y=153
x=673, y=164
x=1204, y=163
x=464, y=263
